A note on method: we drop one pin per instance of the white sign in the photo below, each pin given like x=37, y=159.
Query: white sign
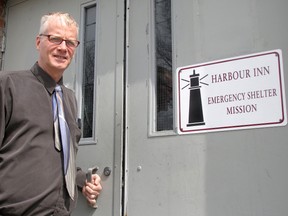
x=236, y=93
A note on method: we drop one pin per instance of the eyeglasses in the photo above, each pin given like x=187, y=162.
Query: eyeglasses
x=58, y=40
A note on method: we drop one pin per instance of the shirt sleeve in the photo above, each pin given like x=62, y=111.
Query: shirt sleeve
x=80, y=178
x=5, y=105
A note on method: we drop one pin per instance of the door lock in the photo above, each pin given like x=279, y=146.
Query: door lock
x=107, y=171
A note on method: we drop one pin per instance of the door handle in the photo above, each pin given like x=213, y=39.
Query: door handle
x=89, y=174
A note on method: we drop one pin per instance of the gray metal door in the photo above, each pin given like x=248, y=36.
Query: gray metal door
x=104, y=147
x=237, y=173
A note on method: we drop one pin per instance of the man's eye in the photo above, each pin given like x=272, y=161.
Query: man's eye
x=70, y=43
x=55, y=39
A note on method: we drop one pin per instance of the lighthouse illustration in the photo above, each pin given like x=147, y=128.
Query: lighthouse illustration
x=195, y=104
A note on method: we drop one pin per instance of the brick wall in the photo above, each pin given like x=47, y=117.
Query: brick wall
x=2, y=26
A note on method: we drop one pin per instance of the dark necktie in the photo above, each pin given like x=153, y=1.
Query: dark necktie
x=63, y=140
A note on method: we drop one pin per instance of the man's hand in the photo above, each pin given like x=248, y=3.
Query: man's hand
x=91, y=190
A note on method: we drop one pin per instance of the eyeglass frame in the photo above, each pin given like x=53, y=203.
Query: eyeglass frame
x=62, y=39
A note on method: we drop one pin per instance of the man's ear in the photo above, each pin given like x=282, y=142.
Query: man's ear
x=37, y=42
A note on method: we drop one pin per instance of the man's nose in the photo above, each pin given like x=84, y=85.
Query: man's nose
x=62, y=45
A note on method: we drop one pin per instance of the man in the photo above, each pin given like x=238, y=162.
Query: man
x=33, y=156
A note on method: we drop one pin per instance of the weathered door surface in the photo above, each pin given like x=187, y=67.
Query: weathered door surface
x=103, y=147
x=242, y=172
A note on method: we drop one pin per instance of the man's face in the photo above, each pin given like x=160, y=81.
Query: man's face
x=53, y=58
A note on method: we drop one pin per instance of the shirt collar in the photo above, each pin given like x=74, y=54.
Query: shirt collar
x=44, y=78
